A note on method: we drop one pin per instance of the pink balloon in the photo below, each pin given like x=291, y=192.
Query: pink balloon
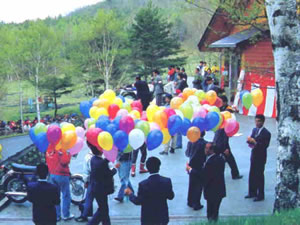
x=200, y=112
x=138, y=105
x=77, y=147
x=144, y=116
x=230, y=126
x=235, y=130
x=54, y=134
x=126, y=124
x=112, y=154
x=80, y=132
x=154, y=126
x=122, y=112
x=170, y=112
x=86, y=123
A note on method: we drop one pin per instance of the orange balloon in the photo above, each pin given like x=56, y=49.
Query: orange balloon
x=58, y=146
x=211, y=97
x=184, y=96
x=176, y=102
x=226, y=114
x=68, y=140
x=161, y=118
x=188, y=92
x=193, y=134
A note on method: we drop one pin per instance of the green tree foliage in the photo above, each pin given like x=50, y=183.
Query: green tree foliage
x=153, y=44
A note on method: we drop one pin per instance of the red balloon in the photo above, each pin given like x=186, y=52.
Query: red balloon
x=204, y=102
x=92, y=136
x=234, y=131
x=137, y=104
x=231, y=127
x=170, y=112
x=219, y=102
x=113, y=110
x=126, y=124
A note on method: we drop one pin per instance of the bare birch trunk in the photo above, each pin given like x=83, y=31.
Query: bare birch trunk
x=37, y=95
x=285, y=33
x=21, y=105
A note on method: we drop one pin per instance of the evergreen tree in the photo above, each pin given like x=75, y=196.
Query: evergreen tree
x=153, y=44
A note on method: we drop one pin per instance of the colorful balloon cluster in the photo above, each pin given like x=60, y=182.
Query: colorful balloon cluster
x=62, y=137
x=255, y=98
x=117, y=123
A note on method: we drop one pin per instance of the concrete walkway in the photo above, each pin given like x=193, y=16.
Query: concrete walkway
x=174, y=166
x=13, y=145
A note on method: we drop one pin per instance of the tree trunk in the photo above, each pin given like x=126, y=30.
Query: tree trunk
x=21, y=105
x=37, y=95
x=285, y=33
x=55, y=106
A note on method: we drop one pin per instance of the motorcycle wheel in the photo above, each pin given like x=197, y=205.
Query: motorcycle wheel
x=131, y=96
x=77, y=189
x=15, y=184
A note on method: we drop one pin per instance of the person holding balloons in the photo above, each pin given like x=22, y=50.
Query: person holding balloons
x=124, y=161
x=143, y=150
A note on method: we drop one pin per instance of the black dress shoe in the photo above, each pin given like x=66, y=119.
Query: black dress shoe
x=198, y=207
x=190, y=205
x=237, y=177
x=258, y=199
x=250, y=196
x=81, y=219
x=119, y=199
x=172, y=150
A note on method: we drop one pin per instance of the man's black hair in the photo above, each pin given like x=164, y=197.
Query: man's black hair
x=224, y=98
x=201, y=62
x=156, y=71
x=260, y=117
x=94, y=149
x=138, y=77
x=182, y=69
x=204, y=63
x=42, y=170
x=198, y=69
x=153, y=164
x=168, y=96
x=178, y=68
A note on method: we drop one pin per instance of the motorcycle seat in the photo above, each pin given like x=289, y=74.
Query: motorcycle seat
x=23, y=168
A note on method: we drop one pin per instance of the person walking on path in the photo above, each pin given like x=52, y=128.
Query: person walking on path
x=153, y=194
x=143, y=150
x=44, y=197
x=214, y=181
x=143, y=92
x=58, y=162
x=259, y=142
x=158, y=87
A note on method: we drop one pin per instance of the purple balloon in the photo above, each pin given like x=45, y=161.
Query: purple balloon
x=54, y=134
x=112, y=154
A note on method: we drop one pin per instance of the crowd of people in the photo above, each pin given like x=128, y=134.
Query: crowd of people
x=205, y=169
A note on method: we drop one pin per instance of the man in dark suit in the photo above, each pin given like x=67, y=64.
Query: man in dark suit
x=221, y=141
x=259, y=142
x=153, y=194
x=214, y=181
x=143, y=92
x=101, y=178
x=44, y=196
x=196, y=153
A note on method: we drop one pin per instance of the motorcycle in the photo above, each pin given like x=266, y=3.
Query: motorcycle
x=15, y=180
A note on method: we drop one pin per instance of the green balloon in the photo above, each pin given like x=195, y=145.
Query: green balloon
x=128, y=149
x=126, y=106
x=200, y=94
x=40, y=128
x=247, y=100
x=143, y=126
x=214, y=109
x=187, y=111
x=91, y=122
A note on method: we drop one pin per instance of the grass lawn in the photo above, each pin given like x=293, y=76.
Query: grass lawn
x=285, y=218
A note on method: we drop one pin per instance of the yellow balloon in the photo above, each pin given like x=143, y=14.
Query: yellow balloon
x=93, y=112
x=101, y=103
x=118, y=102
x=257, y=96
x=166, y=135
x=92, y=126
x=68, y=140
x=129, y=101
x=151, y=110
x=67, y=127
x=211, y=97
x=105, y=140
x=226, y=114
x=200, y=94
x=110, y=95
x=176, y=102
x=1, y=148
x=135, y=114
x=101, y=112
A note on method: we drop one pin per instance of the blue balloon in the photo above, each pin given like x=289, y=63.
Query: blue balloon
x=186, y=124
x=154, y=139
x=32, y=135
x=116, y=121
x=212, y=120
x=103, y=122
x=136, y=121
x=201, y=123
x=85, y=107
x=174, y=124
x=121, y=140
x=122, y=98
x=112, y=129
x=42, y=142
x=92, y=101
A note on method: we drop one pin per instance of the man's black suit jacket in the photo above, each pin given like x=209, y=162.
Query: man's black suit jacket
x=259, y=151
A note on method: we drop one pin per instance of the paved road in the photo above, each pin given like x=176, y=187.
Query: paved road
x=13, y=145
x=174, y=166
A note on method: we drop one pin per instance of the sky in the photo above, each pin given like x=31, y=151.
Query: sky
x=20, y=10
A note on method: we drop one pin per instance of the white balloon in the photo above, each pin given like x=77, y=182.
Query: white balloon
x=136, y=138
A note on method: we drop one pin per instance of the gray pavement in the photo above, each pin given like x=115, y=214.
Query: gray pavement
x=13, y=145
x=174, y=166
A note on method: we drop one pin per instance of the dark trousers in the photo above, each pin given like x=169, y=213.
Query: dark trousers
x=143, y=152
x=145, y=100
x=102, y=213
x=257, y=179
x=159, y=99
x=213, y=206
x=232, y=164
x=195, y=190
x=88, y=203
x=45, y=223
